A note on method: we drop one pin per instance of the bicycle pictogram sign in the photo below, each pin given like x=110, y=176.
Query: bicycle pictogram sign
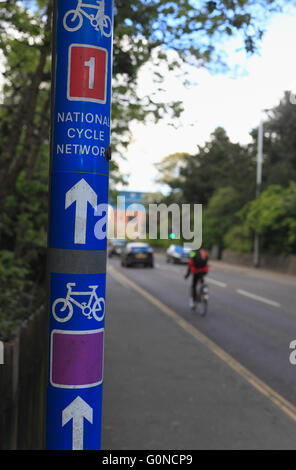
x=62, y=308
x=73, y=19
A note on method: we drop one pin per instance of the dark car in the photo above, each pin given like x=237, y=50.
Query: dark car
x=137, y=253
x=116, y=247
x=177, y=254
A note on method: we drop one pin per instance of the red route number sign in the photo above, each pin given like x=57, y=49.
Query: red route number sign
x=87, y=73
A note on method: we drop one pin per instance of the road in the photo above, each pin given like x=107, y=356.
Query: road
x=251, y=317
x=257, y=332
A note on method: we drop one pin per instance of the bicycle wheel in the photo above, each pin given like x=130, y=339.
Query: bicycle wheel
x=202, y=306
x=61, y=306
x=72, y=20
x=106, y=28
x=99, y=308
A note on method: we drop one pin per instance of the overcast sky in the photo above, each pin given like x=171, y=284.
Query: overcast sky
x=233, y=102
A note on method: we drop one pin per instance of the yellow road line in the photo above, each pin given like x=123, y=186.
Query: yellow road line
x=287, y=407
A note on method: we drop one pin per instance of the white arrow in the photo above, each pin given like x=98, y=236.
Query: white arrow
x=81, y=193
x=77, y=410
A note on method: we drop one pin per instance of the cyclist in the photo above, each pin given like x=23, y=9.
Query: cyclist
x=198, y=267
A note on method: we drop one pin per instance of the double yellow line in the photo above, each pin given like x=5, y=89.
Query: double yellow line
x=264, y=389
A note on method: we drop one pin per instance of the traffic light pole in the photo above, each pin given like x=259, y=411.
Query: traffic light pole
x=79, y=175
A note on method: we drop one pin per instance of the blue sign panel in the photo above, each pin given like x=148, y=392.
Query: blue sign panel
x=79, y=198
x=81, y=120
x=74, y=425
x=83, y=86
x=78, y=216
x=77, y=301
x=76, y=360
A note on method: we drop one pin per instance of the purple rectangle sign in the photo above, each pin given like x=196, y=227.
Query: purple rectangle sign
x=76, y=358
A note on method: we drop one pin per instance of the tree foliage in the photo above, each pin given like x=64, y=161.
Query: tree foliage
x=221, y=215
x=222, y=177
x=146, y=31
x=219, y=163
x=272, y=216
x=280, y=143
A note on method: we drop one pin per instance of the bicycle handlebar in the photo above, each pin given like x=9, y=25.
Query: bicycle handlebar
x=70, y=284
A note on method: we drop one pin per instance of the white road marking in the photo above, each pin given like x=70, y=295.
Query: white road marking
x=288, y=408
x=217, y=283
x=224, y=285
x=258, y=297
x=176, y=270
x=168, y=268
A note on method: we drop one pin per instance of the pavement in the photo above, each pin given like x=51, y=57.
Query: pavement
x=167, y=387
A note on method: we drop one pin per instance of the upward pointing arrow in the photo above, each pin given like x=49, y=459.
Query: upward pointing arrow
x=81, y=193
x=77, y=410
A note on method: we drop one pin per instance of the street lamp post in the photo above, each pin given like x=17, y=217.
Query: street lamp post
x=258, y=189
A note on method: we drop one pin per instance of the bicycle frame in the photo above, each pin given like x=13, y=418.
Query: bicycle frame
x=80, y=6
x=99, y=21
x=92, y=294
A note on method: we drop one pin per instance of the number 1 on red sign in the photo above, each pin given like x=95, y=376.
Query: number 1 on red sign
x=87, y=73
x=91, y=64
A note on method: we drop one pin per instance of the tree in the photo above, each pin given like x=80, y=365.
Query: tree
x=272, y=216
x=239, y=238
x=170, y=170
x=221, y=216
x=280, y=143
x=145, y=30
x=218, y=163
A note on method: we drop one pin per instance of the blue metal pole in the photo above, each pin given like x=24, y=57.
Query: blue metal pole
x=79, y=174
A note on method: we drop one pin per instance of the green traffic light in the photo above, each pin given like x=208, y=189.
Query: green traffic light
x=172, y=236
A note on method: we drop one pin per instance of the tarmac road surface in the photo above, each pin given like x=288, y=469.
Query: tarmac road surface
x=175, y=380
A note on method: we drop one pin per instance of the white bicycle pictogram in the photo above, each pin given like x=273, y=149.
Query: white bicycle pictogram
x=94, y=308
x=73, y=19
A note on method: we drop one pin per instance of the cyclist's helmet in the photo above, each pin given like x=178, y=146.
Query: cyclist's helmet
x=194, y=253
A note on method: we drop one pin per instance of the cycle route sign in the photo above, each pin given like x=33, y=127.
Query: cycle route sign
x=80, y=142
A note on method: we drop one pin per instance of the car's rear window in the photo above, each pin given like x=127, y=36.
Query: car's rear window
x=179, y=249
x=140, y=249
x=118, y=242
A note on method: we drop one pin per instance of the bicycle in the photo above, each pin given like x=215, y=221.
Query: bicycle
x=62, y=305
x=202, y=297
x=73, y=19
